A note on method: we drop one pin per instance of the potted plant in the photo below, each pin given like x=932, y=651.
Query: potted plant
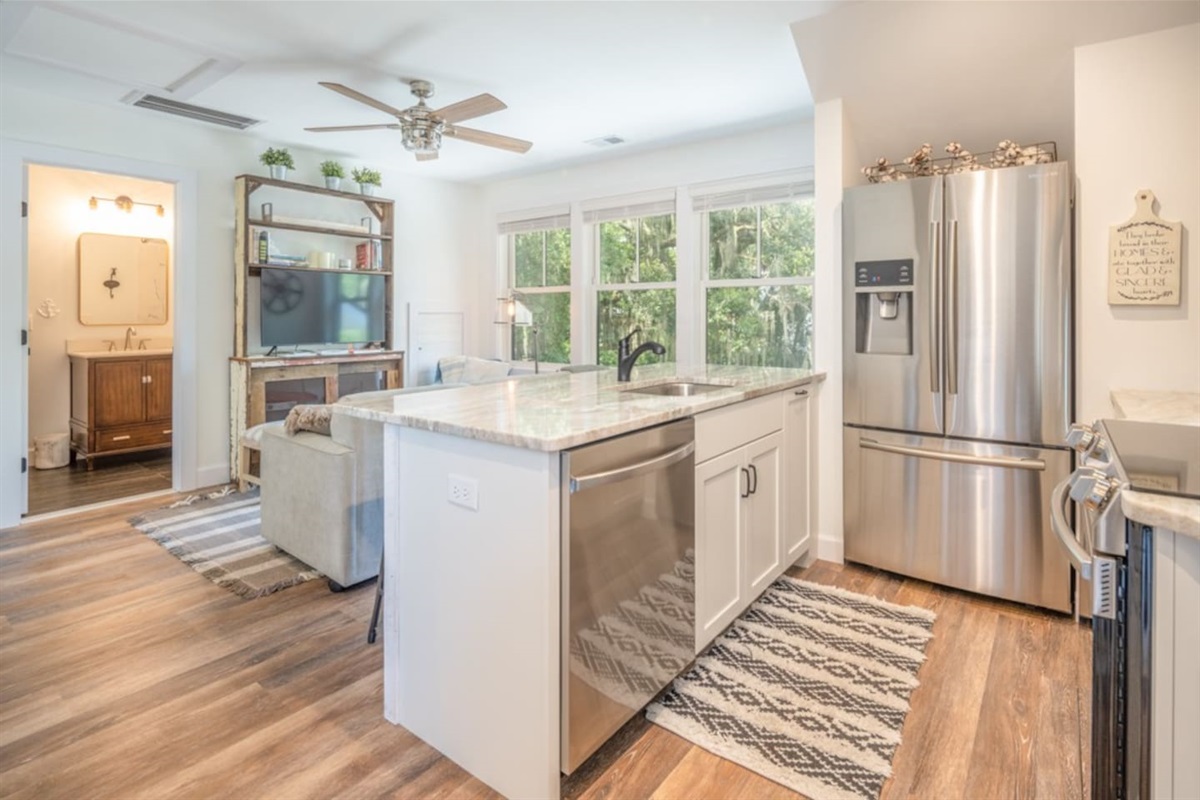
x=333, y=173
x=279, y=161
x=367, y=179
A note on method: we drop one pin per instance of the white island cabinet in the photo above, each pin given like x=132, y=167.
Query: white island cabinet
x=473, y=620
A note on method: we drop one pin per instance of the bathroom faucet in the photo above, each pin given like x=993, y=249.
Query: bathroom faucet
x=129, y=334
x=626, y=359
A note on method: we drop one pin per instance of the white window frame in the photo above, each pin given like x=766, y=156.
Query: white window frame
x=798, y=189
x=629, y=207
x=513, y=224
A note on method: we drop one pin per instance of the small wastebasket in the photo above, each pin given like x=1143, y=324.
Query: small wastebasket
x=51, y=451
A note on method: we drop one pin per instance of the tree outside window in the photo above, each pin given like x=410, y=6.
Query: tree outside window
x=540, y=270
x=758, y=288
x=636, y=286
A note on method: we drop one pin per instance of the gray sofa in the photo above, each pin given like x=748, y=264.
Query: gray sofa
x=322, y=496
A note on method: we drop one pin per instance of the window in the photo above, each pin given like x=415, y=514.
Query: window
x=758, y=277
x=635, y=276
x=539, y=275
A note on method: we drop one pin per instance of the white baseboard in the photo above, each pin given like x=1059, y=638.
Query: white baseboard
x=832, y=549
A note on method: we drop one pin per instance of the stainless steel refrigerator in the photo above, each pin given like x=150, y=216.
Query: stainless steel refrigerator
x=957, y=378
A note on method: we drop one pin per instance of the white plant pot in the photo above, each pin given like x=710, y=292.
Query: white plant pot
x=278, y=172
x=367, y=189
x=332, y=182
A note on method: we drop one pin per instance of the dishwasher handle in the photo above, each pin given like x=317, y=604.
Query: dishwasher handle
x=580, y=483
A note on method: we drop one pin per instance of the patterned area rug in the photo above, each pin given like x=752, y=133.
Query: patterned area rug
x=218, y=536
x=809, y=687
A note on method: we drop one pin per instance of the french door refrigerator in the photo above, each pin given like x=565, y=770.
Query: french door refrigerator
x=957, y=378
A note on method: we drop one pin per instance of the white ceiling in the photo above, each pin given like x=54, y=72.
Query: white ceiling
x=654, y=73
x=972, y=72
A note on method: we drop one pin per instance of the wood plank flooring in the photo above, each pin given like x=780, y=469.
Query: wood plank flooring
x=124, y=674
x=112, y=478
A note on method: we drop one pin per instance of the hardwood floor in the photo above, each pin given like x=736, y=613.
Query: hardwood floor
x=112, y=478
x=125, y=674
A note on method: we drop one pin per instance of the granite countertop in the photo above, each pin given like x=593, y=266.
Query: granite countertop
x=560, y=410
x=1180, y=408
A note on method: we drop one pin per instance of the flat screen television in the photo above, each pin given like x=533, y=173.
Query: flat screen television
x=319, y=307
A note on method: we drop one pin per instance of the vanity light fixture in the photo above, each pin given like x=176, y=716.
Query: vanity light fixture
x=125, y=203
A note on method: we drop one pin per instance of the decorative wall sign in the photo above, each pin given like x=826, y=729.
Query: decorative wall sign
x=1143, y=258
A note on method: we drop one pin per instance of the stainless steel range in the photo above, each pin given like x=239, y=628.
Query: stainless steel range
x=1114, y=560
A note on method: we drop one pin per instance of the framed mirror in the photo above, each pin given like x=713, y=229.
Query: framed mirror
x=122, y=280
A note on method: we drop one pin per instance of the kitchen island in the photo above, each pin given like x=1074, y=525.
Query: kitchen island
x=472, y=625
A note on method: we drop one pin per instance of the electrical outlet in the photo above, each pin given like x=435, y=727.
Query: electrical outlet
x=464, y=492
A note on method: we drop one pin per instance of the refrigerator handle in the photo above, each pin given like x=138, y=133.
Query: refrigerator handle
x=935, y=307
x=952, y=312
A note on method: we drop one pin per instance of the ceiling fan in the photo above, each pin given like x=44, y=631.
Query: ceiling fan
x=422, y=128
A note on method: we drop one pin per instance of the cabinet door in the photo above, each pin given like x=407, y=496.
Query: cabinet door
x=762, y=529
x=158, y=389
x=720, y=483
x=797, y=494
x=117, y=392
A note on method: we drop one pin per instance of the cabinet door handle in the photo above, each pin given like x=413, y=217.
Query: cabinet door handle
x=754, y=474
x=802, y=393
x=167, y=432
x=121, y=438
x=746, y=472
x=149, y=379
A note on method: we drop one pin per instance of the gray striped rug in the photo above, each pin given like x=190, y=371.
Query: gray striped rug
x=218, y=536
x=809, y=687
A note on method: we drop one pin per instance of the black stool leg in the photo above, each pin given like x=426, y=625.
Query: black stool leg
x=378, y=602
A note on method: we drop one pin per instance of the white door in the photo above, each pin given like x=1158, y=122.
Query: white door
x=433, y=333
x=720, y=484
x=762, y=528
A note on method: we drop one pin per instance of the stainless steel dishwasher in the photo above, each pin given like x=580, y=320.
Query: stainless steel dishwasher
x=628, y=579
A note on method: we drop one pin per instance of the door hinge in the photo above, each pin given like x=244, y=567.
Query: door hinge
x=24, y=464
x=24, y=209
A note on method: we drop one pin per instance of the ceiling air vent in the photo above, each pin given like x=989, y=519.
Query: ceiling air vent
x=167, y=106
x=605, y=141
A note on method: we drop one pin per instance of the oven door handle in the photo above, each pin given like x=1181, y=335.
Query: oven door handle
x=1065, y=534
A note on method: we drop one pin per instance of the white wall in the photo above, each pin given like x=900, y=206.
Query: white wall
x=1137, y=124
x=58, y=214
x=775, y=149
x=436, y=249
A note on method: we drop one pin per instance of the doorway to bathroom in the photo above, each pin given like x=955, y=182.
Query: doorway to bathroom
x=100, y=274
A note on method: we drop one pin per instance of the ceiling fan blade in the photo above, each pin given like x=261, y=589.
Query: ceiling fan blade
x=431, y=156
x=362, y=98
x=330, y=128
x=470, y=108
x=489, y=139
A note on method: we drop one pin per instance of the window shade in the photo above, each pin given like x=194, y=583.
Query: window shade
x=648, y=204
x=739, y=198
x=547, y=223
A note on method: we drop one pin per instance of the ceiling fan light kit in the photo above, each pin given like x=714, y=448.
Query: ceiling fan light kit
x=422, y=128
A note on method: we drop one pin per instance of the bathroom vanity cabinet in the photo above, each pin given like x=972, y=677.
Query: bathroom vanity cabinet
x=120, y=403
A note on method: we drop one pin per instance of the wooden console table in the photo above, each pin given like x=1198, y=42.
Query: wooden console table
x=251, y=376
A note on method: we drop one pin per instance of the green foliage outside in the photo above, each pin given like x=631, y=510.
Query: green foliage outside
x=761, y=325
x=747, y=325
x=542, y=259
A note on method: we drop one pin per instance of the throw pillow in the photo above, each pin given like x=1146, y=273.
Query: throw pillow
x=308, y=418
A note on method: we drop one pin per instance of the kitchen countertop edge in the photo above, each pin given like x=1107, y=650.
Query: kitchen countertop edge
x=1178, y=514
x=671, y=409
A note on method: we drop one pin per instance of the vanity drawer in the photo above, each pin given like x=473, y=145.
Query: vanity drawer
x=144, y=435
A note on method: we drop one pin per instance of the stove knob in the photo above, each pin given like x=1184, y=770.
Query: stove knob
x=1091, y=488
x=1081, y=437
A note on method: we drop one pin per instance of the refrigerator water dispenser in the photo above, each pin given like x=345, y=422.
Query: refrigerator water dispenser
x=883, y=307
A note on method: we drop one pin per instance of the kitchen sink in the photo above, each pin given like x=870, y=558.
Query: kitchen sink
x=678, y=388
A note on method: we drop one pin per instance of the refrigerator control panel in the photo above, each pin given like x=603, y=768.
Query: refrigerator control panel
x=895, y=272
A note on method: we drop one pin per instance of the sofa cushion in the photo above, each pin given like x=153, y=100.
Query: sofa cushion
x=469, y=369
